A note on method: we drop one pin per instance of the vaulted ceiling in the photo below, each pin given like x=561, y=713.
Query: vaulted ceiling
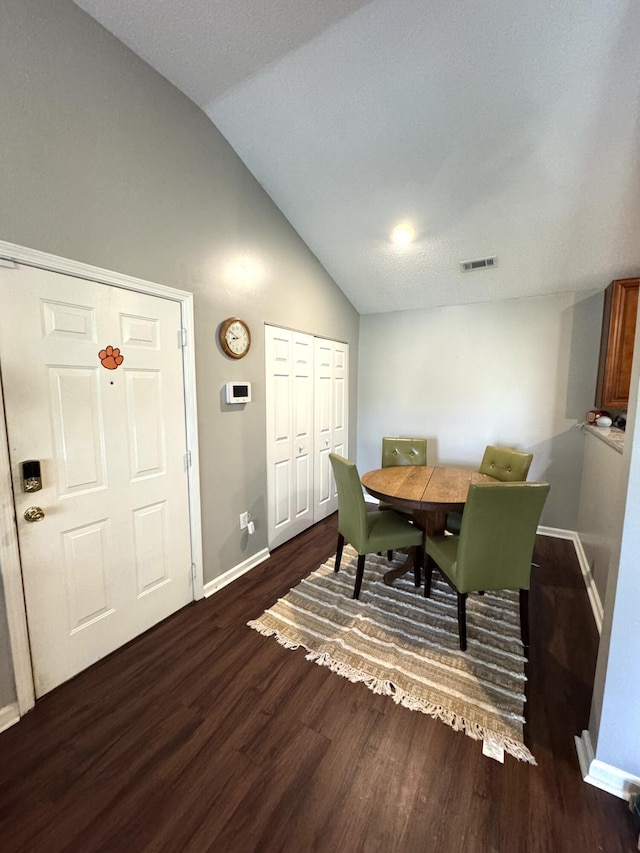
x=506, y=129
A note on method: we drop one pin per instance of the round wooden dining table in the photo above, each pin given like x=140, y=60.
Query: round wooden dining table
x=428, y=491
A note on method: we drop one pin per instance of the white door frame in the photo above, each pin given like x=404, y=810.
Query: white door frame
x=10, y=567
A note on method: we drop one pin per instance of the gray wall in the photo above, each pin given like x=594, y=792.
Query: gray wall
x=613, y=724
x=103, y=161
x=519, y=372
x=602, y=507
x=7, y=689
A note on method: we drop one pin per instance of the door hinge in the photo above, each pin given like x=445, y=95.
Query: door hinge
x=188, y=458
x=183, y=337
x=193, y=573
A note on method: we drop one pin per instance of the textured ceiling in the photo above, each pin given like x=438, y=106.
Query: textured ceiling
x=507, y=129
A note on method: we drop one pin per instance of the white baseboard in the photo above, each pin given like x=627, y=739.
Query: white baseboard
x=592, y=591
x=236, y=572
x=556, y=532
x=9, y=716
x=602, y=775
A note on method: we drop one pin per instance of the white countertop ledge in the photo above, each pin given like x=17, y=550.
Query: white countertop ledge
x=610, y=435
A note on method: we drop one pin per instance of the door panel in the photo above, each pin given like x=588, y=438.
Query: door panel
x=341, y=400
x=146, y=440
x=331, y=409
x=77, y=430
x=112, y=555
x=282, y=493
x=151, y=540
x=323, y=492
x=289, y=381
x=87, y=553
x=139, y=331
x=70, y=322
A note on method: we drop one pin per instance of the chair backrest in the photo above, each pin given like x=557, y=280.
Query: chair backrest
x=352, y=512
x=497, y=535
x=403, y=451
x=505, y=464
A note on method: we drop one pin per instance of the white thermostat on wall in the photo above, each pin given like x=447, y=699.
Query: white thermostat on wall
x=238, y=392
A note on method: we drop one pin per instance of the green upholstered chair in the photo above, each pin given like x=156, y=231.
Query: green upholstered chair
x=494, y=548
x=503, y=463
x=368, y=532
x=402, y=451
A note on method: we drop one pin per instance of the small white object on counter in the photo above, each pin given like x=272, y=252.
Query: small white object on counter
x=604, y=421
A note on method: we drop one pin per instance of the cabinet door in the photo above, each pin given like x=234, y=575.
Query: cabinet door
x=616, y=345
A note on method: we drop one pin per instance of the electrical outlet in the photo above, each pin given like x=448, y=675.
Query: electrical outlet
x=244, y=520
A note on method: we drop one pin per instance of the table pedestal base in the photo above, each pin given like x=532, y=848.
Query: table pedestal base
x=431, y=523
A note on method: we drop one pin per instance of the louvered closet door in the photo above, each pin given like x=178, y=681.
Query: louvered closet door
x=112, y=555
x=289, y=381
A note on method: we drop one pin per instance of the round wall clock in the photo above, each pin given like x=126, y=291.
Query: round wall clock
x=235, y=337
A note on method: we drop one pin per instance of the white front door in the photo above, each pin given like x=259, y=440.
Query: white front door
x=112, y=555
x=289, y=380
x=331, y=432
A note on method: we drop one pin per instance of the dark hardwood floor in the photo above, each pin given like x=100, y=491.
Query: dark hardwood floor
x=203, y=735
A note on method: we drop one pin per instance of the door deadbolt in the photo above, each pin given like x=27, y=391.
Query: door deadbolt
x=31, y=476
x=33, y=513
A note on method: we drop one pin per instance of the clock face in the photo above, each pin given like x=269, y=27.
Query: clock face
x=235, y=337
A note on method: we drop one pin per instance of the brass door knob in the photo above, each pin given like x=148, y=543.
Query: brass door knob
x=33, y=513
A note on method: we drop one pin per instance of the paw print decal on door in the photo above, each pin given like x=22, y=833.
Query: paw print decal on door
x=110, y=357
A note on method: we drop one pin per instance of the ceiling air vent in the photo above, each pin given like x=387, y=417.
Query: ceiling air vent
x=479, y=264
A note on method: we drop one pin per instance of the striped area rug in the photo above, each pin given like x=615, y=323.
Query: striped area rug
x=405, y=646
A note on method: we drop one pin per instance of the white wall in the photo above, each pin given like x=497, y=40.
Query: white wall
x=520, y=373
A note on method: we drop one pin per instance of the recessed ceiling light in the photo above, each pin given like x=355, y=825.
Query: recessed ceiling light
x=403, y=234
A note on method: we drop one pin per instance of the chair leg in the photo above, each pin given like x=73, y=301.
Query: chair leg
x=359, y=574
x=389, y=556
x=339, y=552
x=462, y=620
x=418, y=564
x=524, y=618
x=428, y=573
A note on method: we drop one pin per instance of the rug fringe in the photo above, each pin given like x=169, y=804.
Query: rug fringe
x=389, y=688
x=269, y=632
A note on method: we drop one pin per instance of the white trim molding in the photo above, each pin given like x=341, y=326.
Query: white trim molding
x=10, y=568
x=603, y=775
x=11, y=573
x=592, y=591
x=237, y=571
x=595, y=772
x=9, y=716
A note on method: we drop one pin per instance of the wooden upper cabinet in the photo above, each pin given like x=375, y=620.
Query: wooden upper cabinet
x=616, y=343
